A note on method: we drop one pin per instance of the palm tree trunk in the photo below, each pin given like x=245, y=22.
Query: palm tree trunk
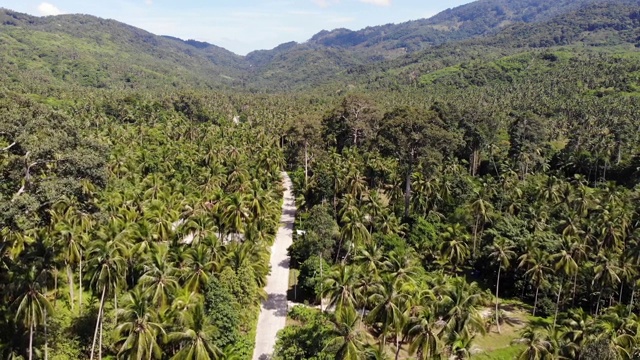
x=100, y=339
x=95, y=333
x=621, y=290
x=598, y=304
x=475, y=235
x=46, y=340
x=384, y=340
x=555, y=318
x=80, y=284
x=70, y=281
x=339, y=249
x=633, y=293
x=575, y=285
x=55, y=287
x=497, y=300
x=407, y=188
x=31, y=338
x=535, y=302
x=306, y=165
x=397, y=346
x=115, y=307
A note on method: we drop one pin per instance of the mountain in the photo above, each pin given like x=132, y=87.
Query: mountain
x=500, y=27
x=89, y=51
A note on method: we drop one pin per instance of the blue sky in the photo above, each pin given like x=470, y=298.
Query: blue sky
x=242, y=25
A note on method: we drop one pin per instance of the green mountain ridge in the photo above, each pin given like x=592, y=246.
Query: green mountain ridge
x=88, y=51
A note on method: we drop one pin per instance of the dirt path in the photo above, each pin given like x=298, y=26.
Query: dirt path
x=273, y=312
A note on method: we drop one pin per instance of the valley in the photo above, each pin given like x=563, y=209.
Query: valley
x=459, y=187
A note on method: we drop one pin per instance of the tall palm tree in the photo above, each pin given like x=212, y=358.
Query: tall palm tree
x=538, y=345
x=139, y=332
x=400, y=265
x=106, y=271
x=537, y=270
x=66, y=226
x=501, y=253
x=159, y=280
x=195, y=337
x=348, y=340
x=565, y=263
x=369, y=257
x=577, y=328
x=389, y=298
x=235, y=213
x=606, y=275
x=460, y=309
x=198, y=267
x=454, y=248
x=482, y=210
x=339, y=286
x=423, y=332
x=32, y=305
x=354, y=230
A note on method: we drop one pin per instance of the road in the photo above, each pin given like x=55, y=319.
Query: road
x=273, y=312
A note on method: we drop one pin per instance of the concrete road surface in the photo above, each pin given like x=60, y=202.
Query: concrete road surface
x=273, y=312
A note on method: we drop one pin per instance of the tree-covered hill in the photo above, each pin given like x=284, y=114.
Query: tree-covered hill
x=88, y=51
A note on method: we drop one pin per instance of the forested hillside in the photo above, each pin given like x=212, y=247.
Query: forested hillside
x=97, y=53
x=472, y=196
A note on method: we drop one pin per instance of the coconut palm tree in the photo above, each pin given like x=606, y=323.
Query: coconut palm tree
x=198, y=266
x=139, y=332
x=348, y=341
x=339, y=287
x=389, y=298
x=454, y=248
x=577, y=327
x=369, y=256
x=567, y=266
x=31, y=305
x=354, y=230
x=501, y=253
x=106, y=270
x=606, y=275
x=159, y=280
x=538, y=345
x=423, y=333
x=400, y=265
x=537, y=270
x=235, y=213
x=460, y=309
x=66, y=226
x=194, y=337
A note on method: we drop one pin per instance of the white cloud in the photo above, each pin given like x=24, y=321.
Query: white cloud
x=325, y=3
x=377, y=2
x=148, y=2
x=47, y=9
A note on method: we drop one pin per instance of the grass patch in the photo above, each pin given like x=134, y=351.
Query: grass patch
x=496, y=345
x=509, y=353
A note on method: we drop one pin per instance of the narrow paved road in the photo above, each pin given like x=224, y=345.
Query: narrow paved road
x=273, y=312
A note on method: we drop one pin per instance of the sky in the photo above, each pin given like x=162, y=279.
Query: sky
x=242, y=25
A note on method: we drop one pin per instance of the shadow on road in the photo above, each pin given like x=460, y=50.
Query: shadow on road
x=285, y=263
x=277, y=302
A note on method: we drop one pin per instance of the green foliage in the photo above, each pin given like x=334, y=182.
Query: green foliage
x=307, y=340
x=310, y=279
x=222, y=308
x=319, y=238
